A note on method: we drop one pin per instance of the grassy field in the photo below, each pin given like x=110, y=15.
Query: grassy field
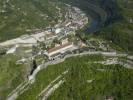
x=11, y=75
x=26, y=16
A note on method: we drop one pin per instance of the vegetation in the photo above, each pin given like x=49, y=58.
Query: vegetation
x=11, y=74
x=42, y=80
x=115, y=23
x=47, y=75
x=2, y=51
x=86, y=82
x=120, y=32
x=26, y=16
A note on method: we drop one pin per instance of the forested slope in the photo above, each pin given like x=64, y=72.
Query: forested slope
x=121, y=31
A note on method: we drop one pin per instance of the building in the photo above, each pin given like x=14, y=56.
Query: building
x=60, y=49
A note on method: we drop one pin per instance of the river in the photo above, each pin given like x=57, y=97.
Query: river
x=95, y=10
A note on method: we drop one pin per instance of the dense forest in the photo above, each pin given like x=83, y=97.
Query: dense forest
x=121, y=30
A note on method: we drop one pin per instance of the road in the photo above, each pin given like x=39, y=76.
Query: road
x=52, y=87
x=20, y=89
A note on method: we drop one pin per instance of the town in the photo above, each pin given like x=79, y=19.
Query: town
x=56, y=42
x=54, y=45
x=50, y=43
x=53, y=40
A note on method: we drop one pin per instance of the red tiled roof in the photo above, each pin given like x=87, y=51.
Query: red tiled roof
x=59, y=47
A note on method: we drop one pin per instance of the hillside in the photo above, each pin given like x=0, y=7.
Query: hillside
x=115, y=16
x=85, y=80
x=117, y=26
x=19, y=17
x=26, y=16
x=66, y=62
x=120, y=32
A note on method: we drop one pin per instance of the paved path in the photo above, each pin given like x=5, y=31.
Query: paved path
x=52, y=87
x=15, y=93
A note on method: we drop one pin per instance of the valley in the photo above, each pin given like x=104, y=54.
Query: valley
x=66, y=50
